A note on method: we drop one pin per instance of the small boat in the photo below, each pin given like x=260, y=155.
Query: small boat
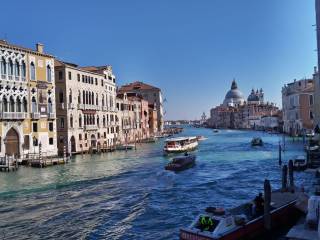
x=180, y=144
x=125, y=147
x=240, y=222
x=149, y=140
x=300, y=163
x=201, y=138
x=181, y=163
x=215, y=130
x=312, y=148
x=256, y=142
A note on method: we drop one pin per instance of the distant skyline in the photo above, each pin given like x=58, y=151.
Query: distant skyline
x=192, y=50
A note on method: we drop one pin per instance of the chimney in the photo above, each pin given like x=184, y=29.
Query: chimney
x=39, y=47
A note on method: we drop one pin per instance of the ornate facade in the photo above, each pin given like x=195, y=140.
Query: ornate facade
x=27, y=101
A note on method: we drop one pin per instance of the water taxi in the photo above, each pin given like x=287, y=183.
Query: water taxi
x=180, y=144
x=181, y=163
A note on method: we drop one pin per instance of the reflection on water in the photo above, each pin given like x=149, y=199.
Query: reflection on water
x=129, y=195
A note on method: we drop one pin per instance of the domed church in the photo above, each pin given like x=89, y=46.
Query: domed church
x=234, y=96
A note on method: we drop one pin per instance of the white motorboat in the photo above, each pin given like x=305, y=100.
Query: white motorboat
x=180, y=144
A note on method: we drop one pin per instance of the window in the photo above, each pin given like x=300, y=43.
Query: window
x=60, y=75
x=80, y=136
x=82, y=78
x=79, y=97
x=85, y=136
x=17, y=69
x=104, y=134
x=51, y=141
x=311, y=100
x=50, y=105
x=35, y=141
x=61, y=96
x=35, y=127
x=61, y=122
x=10, y=67
x=70, y=96
x=32, y=71
x=98, y=135
x=102, y=82
x=49, y=74
x=311, y=115
x=69, y=75
x=78, y=75
x=80, y=121
x=11, y=104
x=23, y=69
x=3, y=66
x=18, y=107
x=96, y=81
x=51, y=126
x=71, y=121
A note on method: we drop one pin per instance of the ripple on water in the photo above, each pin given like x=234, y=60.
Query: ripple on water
x=129, y=195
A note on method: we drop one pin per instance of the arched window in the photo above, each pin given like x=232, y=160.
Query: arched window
x=18, y=107
x=61, y=100
x=70, y=96
x=5, y=104
x=23, y=70
x=71, y=121
x=33, y=105
x=80, y=120
x=32, y=71
x=17, y=69
x=50, y=105
x=25, y=105
x=11, y=104
x=10, y=67
x=49, y=73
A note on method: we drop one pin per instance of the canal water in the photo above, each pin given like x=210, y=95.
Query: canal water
x=129, y=195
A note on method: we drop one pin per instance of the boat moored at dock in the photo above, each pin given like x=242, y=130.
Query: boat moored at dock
x=180, y=144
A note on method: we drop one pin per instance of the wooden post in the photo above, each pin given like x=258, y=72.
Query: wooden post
x=280, y=160
x=64, y=153
x=284, y=178
x=291, y=181
x=267, y=207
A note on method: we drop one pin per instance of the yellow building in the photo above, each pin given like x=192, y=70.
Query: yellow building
x=27, y=101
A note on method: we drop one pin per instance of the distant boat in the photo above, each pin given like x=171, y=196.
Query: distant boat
x=181, y=163
x=312, y=148
x=215, y=130
x=300, y=163
x=125, y=147
x=180, y=144
x=256, y=142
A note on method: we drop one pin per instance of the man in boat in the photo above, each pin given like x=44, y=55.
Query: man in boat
x=258, y=205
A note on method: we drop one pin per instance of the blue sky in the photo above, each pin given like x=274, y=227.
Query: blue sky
x=190, y=49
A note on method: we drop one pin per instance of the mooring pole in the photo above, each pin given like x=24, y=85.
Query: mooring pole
x=284, y=178
x=267, y=202
x=291, y=180
x=280, y=160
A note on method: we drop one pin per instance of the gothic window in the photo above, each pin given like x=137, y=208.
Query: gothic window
x=10, y=67
x=11, y=104
x=3, y=66
x=18, y=109
x=34, y=105
x=50, y=105
x=32, y=71
x=71, y=121
x=25, y=106
x=49, y=77
x=5, y=105
x=17, y=69
x=23, y=69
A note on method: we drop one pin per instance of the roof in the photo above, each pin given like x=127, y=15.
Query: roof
x=137, y=86
x=4, y=43
x=179, y=139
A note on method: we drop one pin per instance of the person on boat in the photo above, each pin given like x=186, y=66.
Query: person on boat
x=206, y=223
x=258, y=205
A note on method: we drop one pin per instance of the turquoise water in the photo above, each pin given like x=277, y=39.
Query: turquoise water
x=129, y=195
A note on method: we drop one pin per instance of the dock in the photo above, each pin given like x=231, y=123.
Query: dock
x=8, y=164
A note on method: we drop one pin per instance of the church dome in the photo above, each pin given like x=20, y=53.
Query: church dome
x=253, y=97
x=234, y=95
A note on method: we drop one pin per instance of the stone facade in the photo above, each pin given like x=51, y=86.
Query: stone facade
x=86, y=107
x=27, y=101
x=150, y=93
x=297, y=106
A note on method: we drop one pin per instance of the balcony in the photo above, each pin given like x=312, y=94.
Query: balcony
x=14, y=115
x=90, y=127
x=71, y=106
x=51, y=115
x=35, y=115
x=88, y=107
